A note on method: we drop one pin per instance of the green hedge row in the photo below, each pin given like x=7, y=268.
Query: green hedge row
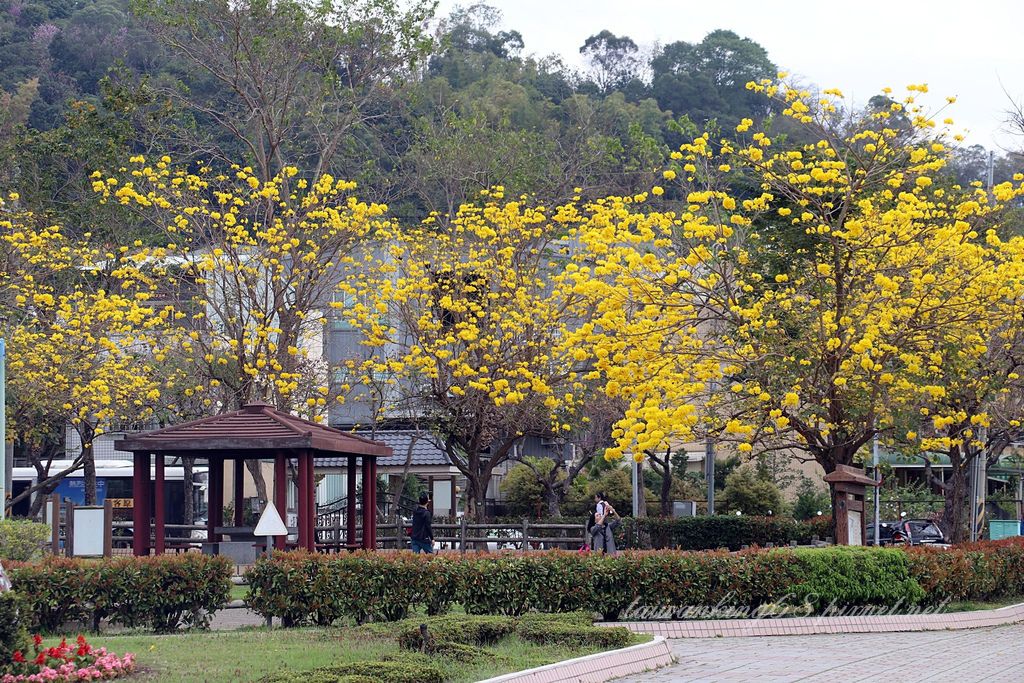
x=159, y=593
x=711, y=532
x=301, y=588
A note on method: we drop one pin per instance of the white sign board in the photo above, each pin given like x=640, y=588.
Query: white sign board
x=270, y=523
x=853, y=519
x=88, y=532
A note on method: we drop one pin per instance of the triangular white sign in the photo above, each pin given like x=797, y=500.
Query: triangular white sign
x=270, y=523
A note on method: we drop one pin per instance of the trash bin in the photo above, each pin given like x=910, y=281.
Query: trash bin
x=1003, y=528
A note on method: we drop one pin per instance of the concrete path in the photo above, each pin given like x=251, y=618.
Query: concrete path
x=985, y=654
x=230, y=619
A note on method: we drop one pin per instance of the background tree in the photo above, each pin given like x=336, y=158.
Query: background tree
x=615, y=61
x=287, y=83
x=750, y=494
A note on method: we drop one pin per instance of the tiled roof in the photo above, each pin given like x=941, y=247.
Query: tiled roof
x=256, y=427
x=425, y=450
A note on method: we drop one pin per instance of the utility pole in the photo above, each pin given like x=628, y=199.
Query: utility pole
x=4, y=484
x=878, y=489
x=709, y=471
x=979, y=486
x=636, y=489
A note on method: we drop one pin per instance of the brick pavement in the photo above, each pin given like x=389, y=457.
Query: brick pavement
x=968, y=656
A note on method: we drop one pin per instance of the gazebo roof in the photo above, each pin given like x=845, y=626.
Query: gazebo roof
x=256, y=427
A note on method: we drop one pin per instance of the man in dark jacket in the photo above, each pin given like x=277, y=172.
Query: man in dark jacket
x=422, y=534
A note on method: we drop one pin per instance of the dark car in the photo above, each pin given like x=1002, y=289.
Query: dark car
x=908, y=532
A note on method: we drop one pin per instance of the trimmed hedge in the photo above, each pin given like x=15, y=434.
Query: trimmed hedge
x=712, y=532
x=462, y=638
x=302, y=588
x=162, y=593
x=987, y=570
x=407, y=668
x=12, y=631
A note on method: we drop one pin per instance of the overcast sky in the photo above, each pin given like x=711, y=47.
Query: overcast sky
x=971, y=50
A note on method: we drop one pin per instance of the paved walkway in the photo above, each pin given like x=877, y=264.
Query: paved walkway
x=230, y=619
x=985, y=654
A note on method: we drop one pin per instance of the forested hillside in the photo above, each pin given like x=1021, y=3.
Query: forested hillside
x=422, y=111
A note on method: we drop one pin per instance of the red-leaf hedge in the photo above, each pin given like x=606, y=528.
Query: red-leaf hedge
x=159, y=593
x=972, y=571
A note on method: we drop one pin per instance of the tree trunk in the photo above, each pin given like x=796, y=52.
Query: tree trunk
x=955, y=504
x=476, y=496
x=666, y=490
x=400, y=489
x=89, y=473
x=261, y=484
x=188, y=509
x=553, y=500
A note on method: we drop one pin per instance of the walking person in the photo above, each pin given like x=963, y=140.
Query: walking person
x=598, y=531
x=422, y=533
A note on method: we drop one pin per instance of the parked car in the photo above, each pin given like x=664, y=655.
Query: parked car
x=907, y=532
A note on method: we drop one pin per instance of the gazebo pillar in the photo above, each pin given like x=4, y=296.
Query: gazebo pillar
x=307, y=521
x=373, y=503
x=350, y=503
x=311, y=509
x=215, y=499
x=369, y=488
x=281, y=494
x=140, y=504
x=159, y=505
x=239, y=486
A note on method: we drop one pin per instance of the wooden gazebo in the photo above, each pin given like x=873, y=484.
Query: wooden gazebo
x=256, y=432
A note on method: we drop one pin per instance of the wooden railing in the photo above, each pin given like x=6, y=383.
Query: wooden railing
x=466, y=535
x=463, y=536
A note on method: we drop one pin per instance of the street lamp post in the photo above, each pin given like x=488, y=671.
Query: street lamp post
x=878, y=489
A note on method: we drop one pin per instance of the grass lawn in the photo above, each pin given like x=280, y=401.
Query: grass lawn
x=238, y=592
x=972, y=605
x=249, y=654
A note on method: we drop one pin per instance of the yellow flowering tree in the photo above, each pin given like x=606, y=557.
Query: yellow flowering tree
x=471, y=322
x=972, y=404
x=811, y=284
x=251, y=267
x=80, y=329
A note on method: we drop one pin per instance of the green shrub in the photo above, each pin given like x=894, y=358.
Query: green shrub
x=465, y=630
x=306, y=588
x=405, y=669
x=12, y=631
x=162, y=593
x=22, y=540
x=855, y=576
x=573, y=636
